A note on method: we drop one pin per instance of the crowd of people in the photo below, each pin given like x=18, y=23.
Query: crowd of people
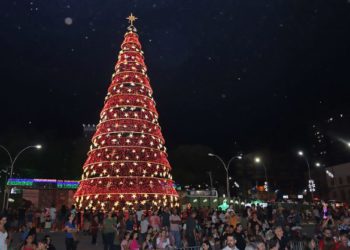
x=250, y=228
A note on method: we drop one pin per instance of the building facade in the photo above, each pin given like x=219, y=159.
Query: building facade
x=339, y=184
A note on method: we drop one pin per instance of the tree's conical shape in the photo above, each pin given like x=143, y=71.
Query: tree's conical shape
x=127, y=162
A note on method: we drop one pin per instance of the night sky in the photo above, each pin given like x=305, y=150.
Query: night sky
x=260, y=77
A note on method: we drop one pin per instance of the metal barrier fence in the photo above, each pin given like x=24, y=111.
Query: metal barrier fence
x=186, y=248
x=294, y=245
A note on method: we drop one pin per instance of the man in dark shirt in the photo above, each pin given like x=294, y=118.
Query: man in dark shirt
x=21, y=216
x=240, y=237
x=191, y=229
x=166, y=218
x=282, y=239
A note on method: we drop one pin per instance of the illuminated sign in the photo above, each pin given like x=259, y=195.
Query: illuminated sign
x=202, y=193
x=43, y=183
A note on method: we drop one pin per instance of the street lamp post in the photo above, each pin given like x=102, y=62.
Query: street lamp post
x=311, y=183
x=227, y=168
x=12, y=161
x=211, y=179
x=258, y=161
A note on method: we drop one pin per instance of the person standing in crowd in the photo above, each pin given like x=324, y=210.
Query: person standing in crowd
x=147, y=244
x=70, y=235
x=42, y=245
x=240, y=237
x=175, y=224
x=316, y=214
x=29, y=215
x=134, y=243
x=121, y=225
x=29, y=244
x=282, y=239
x=125, y=242
x=232, y=218
x=109, y=227
x=343, y=243
x=73, y=211
x=24, y=232
x=230, y=243
x=154, y=220
x=62, y=216
x=191, y=225
x=310, y=244
x=143, y=227
x=4, y=237
x=94, y=229
x=258, y=233
x=49, y=244
x=260, y=245
x=163, y=241
x=42, y=219
x=222, y=217
x=130, y=223
x=21, y=216
x=52, y=212
x=327, y=242
x=274, y=244
x=48, y=223
x=252, y=222
x=139, y=214
x=214, y=218
x=166, y=218
x=206, y=245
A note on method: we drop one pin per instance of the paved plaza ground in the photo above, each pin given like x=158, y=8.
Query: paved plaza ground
x=58, y=241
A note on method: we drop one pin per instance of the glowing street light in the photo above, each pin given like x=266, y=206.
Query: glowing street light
x=317, y=164
x=266, y=183
x=311, y=182
x=12, y=161
x=226, y=167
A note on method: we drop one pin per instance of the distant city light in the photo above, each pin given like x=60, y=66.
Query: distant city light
x=330, y=174
x=312, y=186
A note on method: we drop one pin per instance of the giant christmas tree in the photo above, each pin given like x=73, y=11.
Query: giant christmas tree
x=127, y=161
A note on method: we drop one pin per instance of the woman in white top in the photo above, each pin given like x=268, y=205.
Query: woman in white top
x=3, y=234
x=163, y=241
